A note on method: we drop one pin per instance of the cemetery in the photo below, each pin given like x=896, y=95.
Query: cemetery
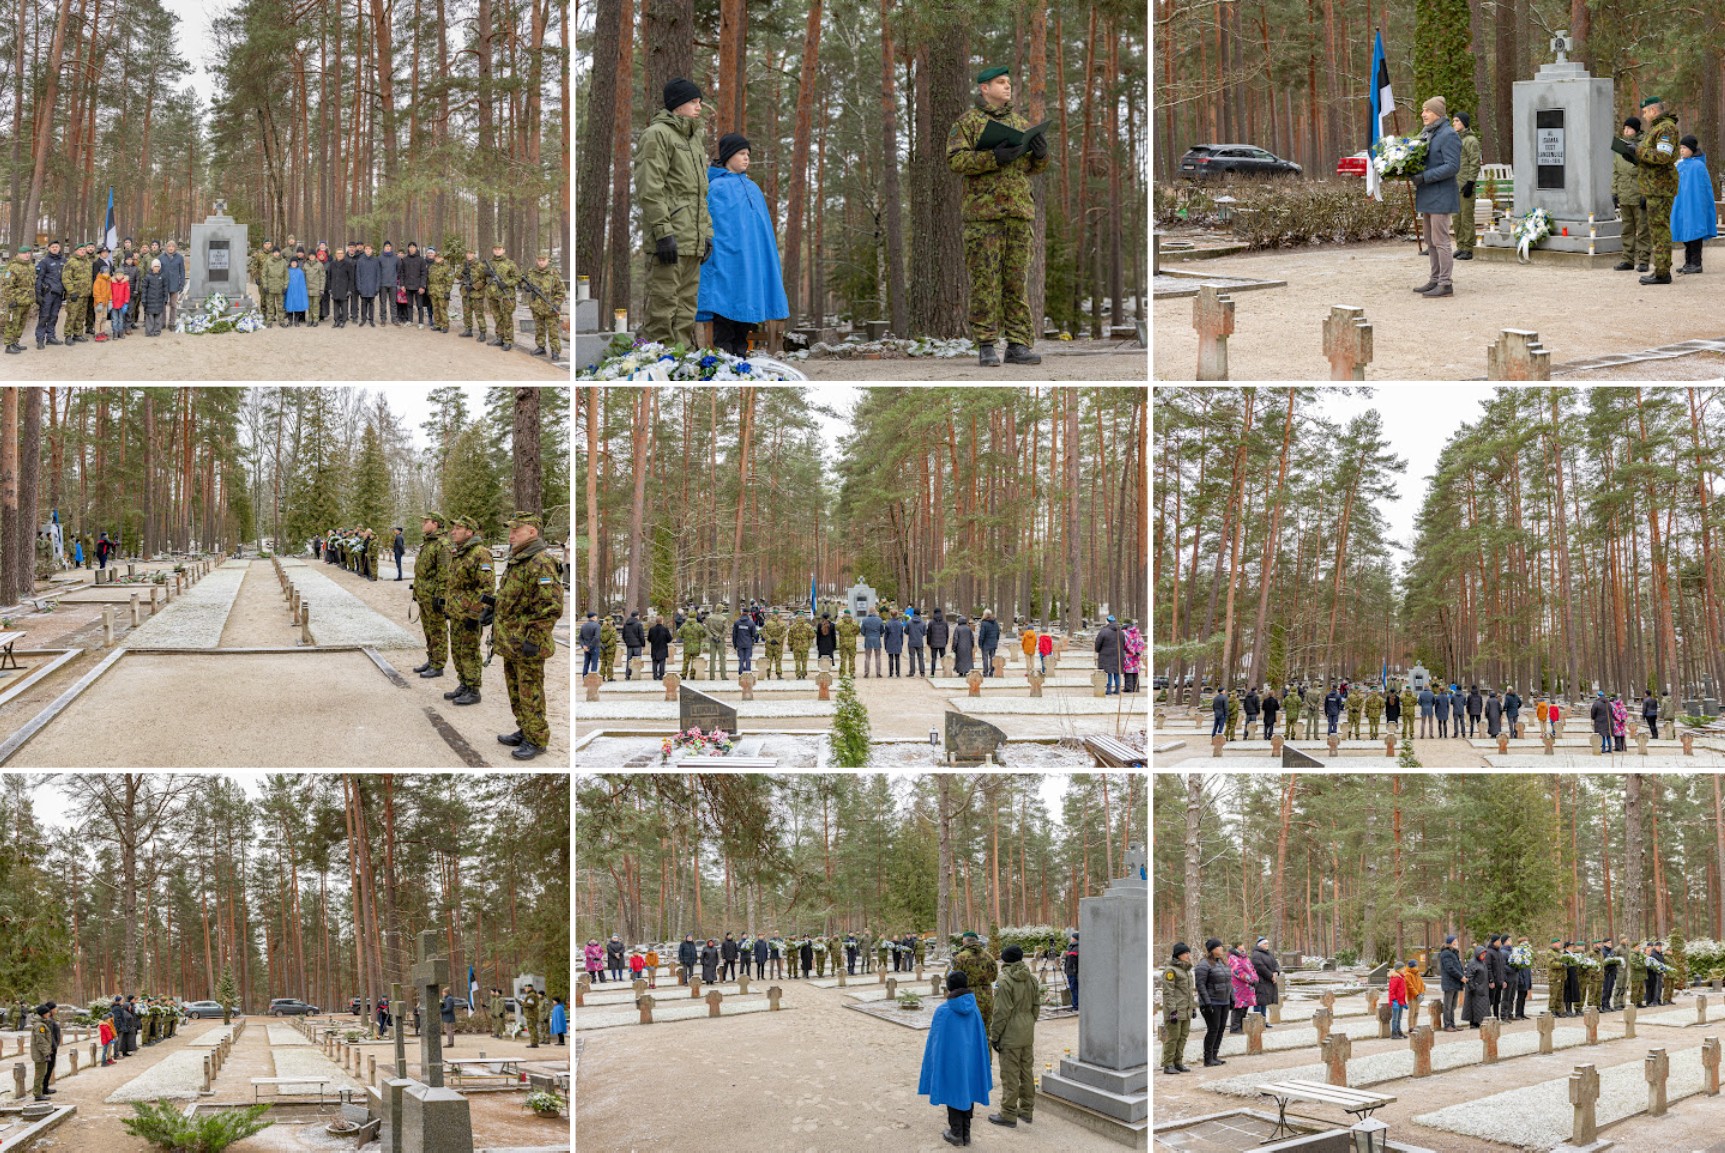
x=1361, y=1004
x=853, y=955
x=1439, y=577
x=956, y=623
x=356, y=1054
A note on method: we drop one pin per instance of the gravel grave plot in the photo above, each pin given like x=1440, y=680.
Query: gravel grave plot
x=1303, y=1010
x=1541, y=1116
x=1084, y=706
x=340, y=618
x=919, y=1019
x=212, y=1038
x=668, y=993
x=694, y=1010
x=178, y=1076
x=304, y=1062
x=1397, y=1064
x=239, y=564
x=196, y=618
x=1682, y=1019
x=669, y=710
x=286, y=1035
x=1283, y=1037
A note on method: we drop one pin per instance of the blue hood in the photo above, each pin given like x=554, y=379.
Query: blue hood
x=743, y=280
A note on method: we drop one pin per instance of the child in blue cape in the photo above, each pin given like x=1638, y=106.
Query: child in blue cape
x=741, y=284
x=1693, y=216
x=956, y=1071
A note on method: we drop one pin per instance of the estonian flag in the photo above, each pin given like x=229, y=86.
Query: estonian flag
x=110, y=234
x=472, y=989
x=813, y=611
x=1383, y=103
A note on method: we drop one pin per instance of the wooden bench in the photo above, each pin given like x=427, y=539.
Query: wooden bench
x=278, y=1082
x=7, y=640
x=731, y=762
x=1110, y=753
x=1358, y=1102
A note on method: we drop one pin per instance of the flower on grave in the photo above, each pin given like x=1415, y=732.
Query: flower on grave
x=1530, y=230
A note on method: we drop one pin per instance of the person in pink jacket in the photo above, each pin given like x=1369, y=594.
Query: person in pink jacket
x=1245, y=985
x=595, y=954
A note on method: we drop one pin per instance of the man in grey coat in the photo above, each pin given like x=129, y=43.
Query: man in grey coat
x=873, y=629
x=1437, y=196
x=389, y=266
x=174, y=274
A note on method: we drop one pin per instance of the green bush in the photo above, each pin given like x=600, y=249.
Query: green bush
x=164, y=1126
x=850, y=735
x=1289, y=214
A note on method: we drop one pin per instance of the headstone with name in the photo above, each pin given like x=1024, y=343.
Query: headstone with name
x=216, y=260
x=697, y=709
x=969, y=740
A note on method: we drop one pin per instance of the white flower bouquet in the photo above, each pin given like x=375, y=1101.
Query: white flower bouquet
x=1530, y=230
x=1399, y=157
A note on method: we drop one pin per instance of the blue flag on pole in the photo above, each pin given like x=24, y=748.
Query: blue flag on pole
x=1382, y=102
x=110, y=234
x=813, y=612
x=472, y=989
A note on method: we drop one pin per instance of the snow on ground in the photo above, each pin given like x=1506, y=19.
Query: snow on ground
x=340, y=618
x=196, y=617
x=178, y=1076
x=610, y=1018
x=302, y=1061
x=286, y=1035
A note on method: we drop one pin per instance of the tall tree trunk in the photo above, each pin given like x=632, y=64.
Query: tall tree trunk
x=595, y=595
x=598, y=142
x=529, y=485
x=800, y=163
x=746, y=428
x=44, y=117
x=29, y=475
x=1192, y=915
x=939, y=293
x=638, y=584
x=12, y=563
x=1036, y=110
x=893, y=279
x=617, y=286
x=1634, y=879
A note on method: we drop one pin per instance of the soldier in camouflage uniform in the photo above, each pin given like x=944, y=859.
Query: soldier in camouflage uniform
x=979, y=967
x=801, y=636
x=1637, y=963
x=547, y=336
x=430, y=580
x=1291, y=709
x=1374, y=709
x=999, y=211
x=1593, y=992
x=19, y=299
x=1656, y=157
x=1555, y=970
x=529, y=604
x=1465, y=236
x=1232, y=731
x=848, y=631
x=473, y=294
x=78, y=277
x=773, y=632
x=275, y=274
x=316, y=274
x=1410, y=706
x=693, y=637
x=471, y=589
x=530, y=999
x=1355, y=704
x=718, y=627
x=1626, y=195
x=440, y=278
x=607, y=650
x=255, y=267
x=1314, y=711
x=502, y=279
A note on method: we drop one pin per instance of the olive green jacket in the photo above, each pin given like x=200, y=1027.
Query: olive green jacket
x=671, y=183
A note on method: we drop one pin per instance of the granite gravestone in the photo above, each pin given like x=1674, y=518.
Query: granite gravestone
x=1110, y=1075
x=216, y=261
x=970, y=741
x=861, y=600
x=697, y=709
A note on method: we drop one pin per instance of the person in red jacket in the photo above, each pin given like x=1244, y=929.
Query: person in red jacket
x=119, y=296
x=1044, y=646
x=1398, y=996
x=637, y=963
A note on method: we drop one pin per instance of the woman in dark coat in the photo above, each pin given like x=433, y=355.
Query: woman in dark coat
x=1601, y=717
x=687, y=956
x=659, y=646
x=1493, y=715
x=806, y=955
x=826, y=640
x=988, y=639
x=963, y=647
x=894, y=642
x=153, y=298
x=340, y=285
x=1265, y=991
x=938, y=631
x=710, y=962
x=1478, y=988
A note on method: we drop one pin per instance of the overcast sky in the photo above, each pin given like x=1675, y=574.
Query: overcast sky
x=55, y=809
x=194, y=41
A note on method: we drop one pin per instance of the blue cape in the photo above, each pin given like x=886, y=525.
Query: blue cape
x=1693, y=215
x=955, y=1063
x=742, y=281
x=294, y=300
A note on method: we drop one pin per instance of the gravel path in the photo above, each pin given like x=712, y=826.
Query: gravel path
x=196, y=618
x=340, y=618
x=212, y=1038
x=1540, y=1116
x=286, y=1035
x=178, y=1076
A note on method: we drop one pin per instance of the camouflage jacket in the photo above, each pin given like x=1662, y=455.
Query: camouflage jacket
x=550, y=285
x=529, y=603
x=21, y=286
x=275, y=273
x=692, y=635
x=440, y=278
x=1657, y=157
x=469, y=578
x=431, y=570
x=800, y=636
x=473, y=271
x=990, y=191
x=76, y=277
x=507, y=273
x=773, y=632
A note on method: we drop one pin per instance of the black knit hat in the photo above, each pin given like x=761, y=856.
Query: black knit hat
x=1632, y=122
x=1691, y=143
x=1466, y=120
x=679, y=92
x=730, y=144
x=957, y=980
x=1011, y=953
x=1212, y=943
x=1179, y=949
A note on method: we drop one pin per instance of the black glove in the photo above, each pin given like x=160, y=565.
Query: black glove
x=1614, y=203
x=529, y=649
x=707, y=252
x=1467, y=190
x=667, y=250
x=437, y=604
x=1644, y=202
x=1039, y=146
x=472, y=624
x=1005, y=153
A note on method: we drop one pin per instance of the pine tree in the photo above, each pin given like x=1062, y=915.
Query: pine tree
x=314, y=502
x=227, y=993
x=850, y=735
x=369, y=505
x=1443, y=58
x=472, y=484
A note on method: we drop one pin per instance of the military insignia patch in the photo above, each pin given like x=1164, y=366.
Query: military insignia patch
x=1171, y=975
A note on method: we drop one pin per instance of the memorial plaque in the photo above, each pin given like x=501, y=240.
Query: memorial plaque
x=970, y=741
x=1548, y=146
x=696, y=709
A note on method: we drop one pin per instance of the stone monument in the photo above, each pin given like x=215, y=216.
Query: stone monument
x=861, y=600
x=216, y=261
x=970, y=740
x=422, y=1116
x=1565, y=121
x=1107, y=1086
x=695, y=708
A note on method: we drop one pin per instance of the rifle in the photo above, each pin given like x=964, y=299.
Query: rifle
x=495, y=279
x=534, y=289
x=467, y=276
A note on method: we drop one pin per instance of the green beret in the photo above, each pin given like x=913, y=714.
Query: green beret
x=969, y=933
x=434, y=517
x=526, y=518
x=988, y=74
x=23, y=250
x=1651, y=100
x=498, y=244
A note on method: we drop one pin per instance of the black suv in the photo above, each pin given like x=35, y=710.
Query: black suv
x=290, y=1007
x=1203, y=161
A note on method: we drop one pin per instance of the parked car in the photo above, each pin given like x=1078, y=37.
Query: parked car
x=291, y=1007
x=200, y=1009
x=1354, y=165
x=1204, y=161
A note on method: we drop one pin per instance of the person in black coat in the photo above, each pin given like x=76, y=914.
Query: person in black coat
x=1475, y=707
x=893, y=641
x=634, y=640
x=963, y=647
x=826, y=638
x=1453, y=979
x=728, y=953
x=938, y=632
x=743, y=640
x=710, y=963
x=1497, y=971
x=1250, y=707
x=614, y=956
x=389, y=275
x=399, y=547
x=50, y=294
x=1333, y=709
x=761, y=957
x=414, y=277
x=659, y=646
x=1600, y=715
x=806, y=955
x=1271, y=707
x=1265, y=992
x=153, y=298
x=915, y=638
x=1478, y=988
x=988, y=640
x=339, y=284
x=688, y=955
x=367, y=283
x=1215, y=987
